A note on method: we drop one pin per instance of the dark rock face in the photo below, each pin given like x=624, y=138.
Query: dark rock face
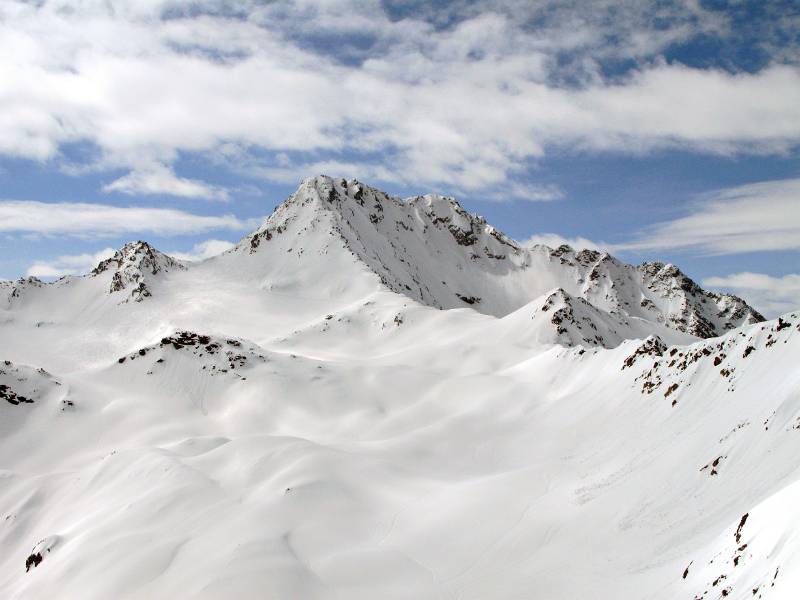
x=10, y=396
x=469, y=299
x=463, y=238
x=33, y=561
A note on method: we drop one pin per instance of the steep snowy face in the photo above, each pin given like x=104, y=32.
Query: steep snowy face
x=432, y=250
x=133, y=267
x=425, y=247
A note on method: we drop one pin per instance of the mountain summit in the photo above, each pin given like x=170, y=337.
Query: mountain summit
x=430, y=249
x=133, y=266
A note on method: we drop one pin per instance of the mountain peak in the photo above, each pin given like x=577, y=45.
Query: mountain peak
x=133, y=267
x=431, y=249
x=339, y=193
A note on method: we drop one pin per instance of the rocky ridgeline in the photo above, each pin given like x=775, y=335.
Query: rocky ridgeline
x=669, y=368
x=653, y=291
x=432, y=250
x=216, y=356
x=133, y=267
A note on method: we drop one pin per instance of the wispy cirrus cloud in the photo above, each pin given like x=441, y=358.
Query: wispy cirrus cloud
x=757, y=217
x=84, y=219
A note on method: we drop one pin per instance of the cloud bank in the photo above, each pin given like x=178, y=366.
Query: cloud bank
x=464, y=95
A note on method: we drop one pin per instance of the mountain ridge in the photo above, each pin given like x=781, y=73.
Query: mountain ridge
x=404, y=242
x=430, y=249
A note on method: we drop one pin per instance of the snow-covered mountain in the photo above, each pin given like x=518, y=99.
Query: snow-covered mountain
x=300, y=418
x=432, y=250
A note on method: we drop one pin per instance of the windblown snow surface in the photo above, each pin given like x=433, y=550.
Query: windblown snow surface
x=372, y=399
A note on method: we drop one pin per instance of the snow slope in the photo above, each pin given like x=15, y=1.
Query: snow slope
x=280, y=422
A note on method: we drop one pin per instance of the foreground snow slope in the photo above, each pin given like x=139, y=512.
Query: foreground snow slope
x=277, y=422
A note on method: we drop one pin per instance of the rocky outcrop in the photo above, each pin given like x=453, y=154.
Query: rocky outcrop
x=212, y=355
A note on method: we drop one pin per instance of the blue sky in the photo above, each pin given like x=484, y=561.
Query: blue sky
x=658, y=130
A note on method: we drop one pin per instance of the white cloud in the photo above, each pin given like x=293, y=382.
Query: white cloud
x=465, y=106
x=160, y=179
x=75, y=264
x=204, y=250
x=773, y=296
x=553, y=240
x=82, y=219
x=521, y=191
x=750, y=218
